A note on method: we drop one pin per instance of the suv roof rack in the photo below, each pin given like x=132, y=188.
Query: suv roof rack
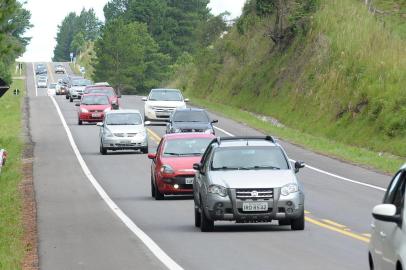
x=244, y=138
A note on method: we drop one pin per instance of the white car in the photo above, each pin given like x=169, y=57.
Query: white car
x=161, y=103
x=42, y=82
x=387, y=249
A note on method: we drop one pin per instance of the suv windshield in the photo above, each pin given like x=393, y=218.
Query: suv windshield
x=249, y=158
x=186, y=147
x=190, y=116
x=165, y=95
x=122, y=119
x=81, y=82
x=95, y=100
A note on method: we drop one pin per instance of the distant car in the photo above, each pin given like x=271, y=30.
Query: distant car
x=77, y=87
x=52, y=88
x=92, y=108
x=247, y=179
x=106, y=90
x=161, y=103
x=59, y=89
x=59, y=69
x=42, y=82
x=102, y=84
x=123, y=130
x=41, y=69
x=172, y=165
x=387, y=248
x=190, y=120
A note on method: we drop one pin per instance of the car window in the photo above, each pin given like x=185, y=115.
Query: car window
x=190, y=116
x=81, y=82
x=396, y=191
x=107, y=91
x=95, y=100
x=165, y=95
x=249, y=158
x=185, y=147
x=124, y=119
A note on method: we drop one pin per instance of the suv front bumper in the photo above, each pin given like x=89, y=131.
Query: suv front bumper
x=230, y=208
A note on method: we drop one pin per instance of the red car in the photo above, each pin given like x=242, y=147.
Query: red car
x=92, y=108
x=106, y=90
x=172, y=170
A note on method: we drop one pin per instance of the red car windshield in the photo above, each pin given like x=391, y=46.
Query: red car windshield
x=186, y=147
x=95, y=100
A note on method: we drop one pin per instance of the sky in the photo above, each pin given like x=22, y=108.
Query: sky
x=46, y=15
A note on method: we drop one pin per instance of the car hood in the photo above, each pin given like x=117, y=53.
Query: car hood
x=191, y=125
x=253, y=178
x=95, y=107
x=126, y=129
x=182, y=164
x=169, y=104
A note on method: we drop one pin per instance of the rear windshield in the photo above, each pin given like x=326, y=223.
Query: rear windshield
x=249, y=158
x=186, y=147
x=122, y=119
x=165, y=95
x=95, y=100
x=107, y=91
x=52, y=85
x=190, y=116
x=81, y=82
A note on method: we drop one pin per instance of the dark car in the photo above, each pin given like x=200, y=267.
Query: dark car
x=190, y=120
x=41, y=69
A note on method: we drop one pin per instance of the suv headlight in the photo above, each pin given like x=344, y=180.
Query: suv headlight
x=219, y=190
x=166, y=169
x=289, y=188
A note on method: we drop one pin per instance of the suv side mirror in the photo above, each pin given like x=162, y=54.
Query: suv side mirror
x=100, y=124
x=387, y=213
x=147, y=123
x=186, y=100
x=214, y=121
x=144, y=98
x=299, y=165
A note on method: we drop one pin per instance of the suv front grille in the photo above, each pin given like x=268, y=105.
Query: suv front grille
x=254, y=194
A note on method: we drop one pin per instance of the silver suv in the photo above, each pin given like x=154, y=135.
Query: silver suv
x=247, y=179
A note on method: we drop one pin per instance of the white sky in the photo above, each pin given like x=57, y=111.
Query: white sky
x=46, y=15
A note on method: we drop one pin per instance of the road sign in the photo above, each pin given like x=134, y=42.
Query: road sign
x=3, y=87
x=16, y=92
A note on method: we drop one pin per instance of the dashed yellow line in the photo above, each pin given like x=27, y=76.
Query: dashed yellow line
x=307, y=212
x=340, y=231
x=155, y=136
x=335, y=224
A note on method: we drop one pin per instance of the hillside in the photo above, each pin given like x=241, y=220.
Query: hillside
x=343, y=78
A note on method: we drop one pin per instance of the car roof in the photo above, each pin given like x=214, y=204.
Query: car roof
x=242, y=142
x=123, y=111
x=95, y=94
x=190, y=110
x=175, y=136
x=165, y=89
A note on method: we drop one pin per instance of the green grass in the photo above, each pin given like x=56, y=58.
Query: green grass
x=341, y=83
x=11, y=228
x=75, y=68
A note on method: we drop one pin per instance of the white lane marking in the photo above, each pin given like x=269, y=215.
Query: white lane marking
x=35, y=79
x=321, y=171
x=149, y=243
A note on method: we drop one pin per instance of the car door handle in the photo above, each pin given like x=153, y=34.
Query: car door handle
x=382, y=234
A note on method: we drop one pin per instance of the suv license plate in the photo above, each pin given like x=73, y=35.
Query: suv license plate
x=189, y=181
x=255, y=207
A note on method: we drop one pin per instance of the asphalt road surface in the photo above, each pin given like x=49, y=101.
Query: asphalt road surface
x=78, y=229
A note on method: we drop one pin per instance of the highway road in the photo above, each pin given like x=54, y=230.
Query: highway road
x=81, y=227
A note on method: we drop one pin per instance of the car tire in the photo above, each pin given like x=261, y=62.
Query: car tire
x=103, y=150
x=71, y=99
x=80, y=122
x=158, y=195
x=206, y=225
x=298, y=224
x=198, y=218
x=152, y=188
x=66, y=96
x=144, y=150
x=146, y=118
x=284, y=222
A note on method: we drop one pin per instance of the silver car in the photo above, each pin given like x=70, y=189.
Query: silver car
x=123, y=130
x=247, y=179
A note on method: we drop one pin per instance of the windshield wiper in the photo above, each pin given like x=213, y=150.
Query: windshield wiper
x=262, y=167
x=172, y=154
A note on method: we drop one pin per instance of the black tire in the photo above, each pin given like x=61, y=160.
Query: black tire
x=158, y=195
x=152, y=188
x=198, y=218
x=103, y=150
x=80, y=122
x=284, y=222
x=70, y=99
x=371, y=262
x=144, y=150
x=206, y=225
x=298, y=224
x=66, y=96
x=146, y=118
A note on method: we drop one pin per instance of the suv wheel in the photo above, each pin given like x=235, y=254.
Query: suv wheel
x=197, y=216
x=103, y=150
x=298, y=224
x=206, y=225
x=158, y=195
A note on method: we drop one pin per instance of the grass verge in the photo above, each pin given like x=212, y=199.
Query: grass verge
x=382, y=162
x=11, y=225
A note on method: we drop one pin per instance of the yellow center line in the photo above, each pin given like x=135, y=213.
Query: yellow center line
x=330, y=222
x=51, y=73
x=341, y=231
x=330, y=225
